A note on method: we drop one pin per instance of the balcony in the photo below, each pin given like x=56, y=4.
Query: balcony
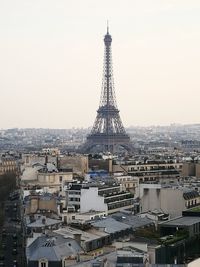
x=120, y=204
x=119, y=197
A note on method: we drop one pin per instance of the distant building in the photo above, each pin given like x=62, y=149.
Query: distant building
x=77, y=163
x=103, y=198
x=129, y=183
x=155, y=215
x=150, y=171
x=8, y=165
x=46, y=176
x=91, y=240
x=40, y=213
x=171, y=200
x=40, y=204
x=101, y=164
x=191, y=169
x=188, y=223
x=40, y=223
x=53, y=251
x=88, y=216
x=188, y=169
x=131, y=257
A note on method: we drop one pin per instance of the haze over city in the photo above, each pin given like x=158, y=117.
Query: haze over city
x=52, y=59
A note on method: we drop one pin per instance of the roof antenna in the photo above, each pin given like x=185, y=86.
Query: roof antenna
x=107, y=27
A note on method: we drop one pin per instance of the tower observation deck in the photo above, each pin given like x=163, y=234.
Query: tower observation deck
x=108, y=131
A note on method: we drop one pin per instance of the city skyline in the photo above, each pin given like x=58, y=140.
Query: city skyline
x=52, y=60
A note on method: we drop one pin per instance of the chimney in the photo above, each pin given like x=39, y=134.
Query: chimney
x=43, y=220
x=57, y=162
x=77, y=237
x=46, y=159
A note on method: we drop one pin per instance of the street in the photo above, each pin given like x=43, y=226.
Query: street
x=12, y=248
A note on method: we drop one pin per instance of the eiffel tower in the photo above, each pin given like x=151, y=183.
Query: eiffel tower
x=108, y=130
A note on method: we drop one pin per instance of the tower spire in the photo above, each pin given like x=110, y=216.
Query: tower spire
x=107, y=27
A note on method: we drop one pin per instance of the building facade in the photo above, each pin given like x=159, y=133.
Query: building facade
x=157, y=171
x=107, y=198
x=8, y=165
x=157, y=197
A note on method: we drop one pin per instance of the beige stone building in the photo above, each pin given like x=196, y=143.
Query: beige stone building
x=191, y=169
x=41, y=204
x=8, y=165
x=47, y=177
x=54, y=181
x=188, y=169
x=78, y=163
x=150, y=172
x=169, y=200
x=129, y=183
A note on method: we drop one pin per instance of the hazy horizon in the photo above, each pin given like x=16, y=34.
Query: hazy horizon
x=52, y=61
x=88, y=128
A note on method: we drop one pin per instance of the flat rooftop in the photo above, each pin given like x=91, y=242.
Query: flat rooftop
x=182, y=221
x=110, y=225
x=86, y=236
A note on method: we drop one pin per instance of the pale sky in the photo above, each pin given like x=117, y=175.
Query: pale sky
x=51, y=61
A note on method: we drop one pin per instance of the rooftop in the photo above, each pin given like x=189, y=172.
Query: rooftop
x=182, y=221
x=85, y=236
x=52, y=248
x=43, y=221
x=132, y=220
x=111, y=225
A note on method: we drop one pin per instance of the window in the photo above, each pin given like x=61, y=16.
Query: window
x=60, y=178
x=65, y=262
x=43, y=263
x=51, y=179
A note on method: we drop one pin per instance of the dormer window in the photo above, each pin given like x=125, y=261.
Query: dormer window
x=43, y=263
x=64, y=262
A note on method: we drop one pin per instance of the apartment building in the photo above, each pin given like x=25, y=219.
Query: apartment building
x=151, y=170
x=168, y=199
x=8, y=165
x=128, y=183
x=191, y=169
x=78, y=163
x=85, y=198
x=46, y=176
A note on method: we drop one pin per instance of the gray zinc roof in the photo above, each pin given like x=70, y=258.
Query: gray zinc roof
x=182, y=221
x=40, y=223
x=52, y=248
x=132, y=220
x=51, y=167
x=111, y=225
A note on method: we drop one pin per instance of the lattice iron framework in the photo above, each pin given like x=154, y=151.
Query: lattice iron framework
x=108, y=129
